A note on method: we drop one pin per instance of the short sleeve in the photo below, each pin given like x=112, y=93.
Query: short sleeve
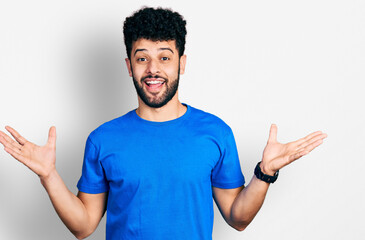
x=93, y=177
x=227, y=172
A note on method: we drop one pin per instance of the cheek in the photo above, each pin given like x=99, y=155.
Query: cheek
x=172, y=72
x=138, y=72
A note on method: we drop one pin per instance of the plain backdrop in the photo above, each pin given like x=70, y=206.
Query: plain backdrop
x=299, y=64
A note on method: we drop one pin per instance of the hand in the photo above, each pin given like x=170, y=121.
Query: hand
x=277, y=155
x=40, y=159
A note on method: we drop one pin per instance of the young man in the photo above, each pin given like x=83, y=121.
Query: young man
x=155, y=169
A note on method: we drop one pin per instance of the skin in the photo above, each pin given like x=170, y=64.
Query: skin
x=82, y=213
x=154, y=62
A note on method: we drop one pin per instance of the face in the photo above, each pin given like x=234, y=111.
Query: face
x=155, y=67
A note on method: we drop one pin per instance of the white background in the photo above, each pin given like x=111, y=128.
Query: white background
x=299, y=64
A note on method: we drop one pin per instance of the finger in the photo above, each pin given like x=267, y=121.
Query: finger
x=16, y=135
x=8, y=141
x=9, y=145
x=273, y=133
x=312, y=146
x=52, y=137
x=297, y=156
x=312, y=140
x=309, y=136
x=16, y=155
x=305, y=151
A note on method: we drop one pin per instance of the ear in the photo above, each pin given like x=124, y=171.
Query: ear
x=128, y=62
x=182, y=64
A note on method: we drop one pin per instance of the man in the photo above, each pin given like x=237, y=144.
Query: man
x=155, y=169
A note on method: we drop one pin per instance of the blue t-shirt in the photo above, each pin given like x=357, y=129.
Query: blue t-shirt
x=159, y=175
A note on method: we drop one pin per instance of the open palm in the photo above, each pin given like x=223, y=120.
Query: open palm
x=40, y=159
x=277, y=155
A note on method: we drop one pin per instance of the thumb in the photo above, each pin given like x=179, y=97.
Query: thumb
x=52, y=136
x=273, y=133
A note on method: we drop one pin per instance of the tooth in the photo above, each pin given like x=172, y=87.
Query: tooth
x=154, y=82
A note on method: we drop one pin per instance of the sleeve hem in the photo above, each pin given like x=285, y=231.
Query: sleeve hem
x=92, y=190
x=229, y=185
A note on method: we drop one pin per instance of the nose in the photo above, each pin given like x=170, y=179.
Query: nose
x=153, y=67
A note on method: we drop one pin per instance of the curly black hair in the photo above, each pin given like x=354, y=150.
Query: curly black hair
x=157, y=25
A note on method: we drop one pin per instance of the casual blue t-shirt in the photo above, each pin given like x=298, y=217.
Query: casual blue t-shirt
x=159, y=175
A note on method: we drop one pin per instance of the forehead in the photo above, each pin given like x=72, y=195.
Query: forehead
x=153, y=46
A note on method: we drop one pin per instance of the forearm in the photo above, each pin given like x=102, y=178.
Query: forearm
x=248, y=202
x=68, y=206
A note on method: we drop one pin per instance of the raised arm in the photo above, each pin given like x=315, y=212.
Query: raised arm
x=240, y=205
x=82, y=213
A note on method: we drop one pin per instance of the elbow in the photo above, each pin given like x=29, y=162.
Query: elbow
x=240, y=228
x=239, y=224
x=81, y=235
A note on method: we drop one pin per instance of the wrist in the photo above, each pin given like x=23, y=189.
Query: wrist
x=263, y=175
x=266, y=170
x=46, y=178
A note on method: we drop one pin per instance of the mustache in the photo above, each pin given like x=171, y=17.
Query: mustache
x=154, y=76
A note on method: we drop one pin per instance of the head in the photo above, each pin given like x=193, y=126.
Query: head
x=156, y=25
x=155, y=44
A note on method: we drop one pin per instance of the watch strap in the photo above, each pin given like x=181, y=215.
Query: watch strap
x=264, y=177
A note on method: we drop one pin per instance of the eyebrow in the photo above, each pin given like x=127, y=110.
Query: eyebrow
x=160, y=49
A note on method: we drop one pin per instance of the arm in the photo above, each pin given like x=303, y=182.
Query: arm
x=240, y=205
x=82, y=213
x=239, y=214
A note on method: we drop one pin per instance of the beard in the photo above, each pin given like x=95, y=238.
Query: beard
x=167, y=95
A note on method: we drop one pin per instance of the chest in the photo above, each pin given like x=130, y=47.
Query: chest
x=160, y=159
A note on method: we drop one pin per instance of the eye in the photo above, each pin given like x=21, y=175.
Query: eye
x=141, y=59
x=165, y=58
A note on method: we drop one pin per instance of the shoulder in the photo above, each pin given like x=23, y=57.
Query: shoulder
x=210, y=121
x=108, y=129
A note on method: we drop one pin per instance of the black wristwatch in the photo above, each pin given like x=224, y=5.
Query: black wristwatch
x=262, y=176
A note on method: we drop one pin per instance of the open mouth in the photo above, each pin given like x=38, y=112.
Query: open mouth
x=154, y=84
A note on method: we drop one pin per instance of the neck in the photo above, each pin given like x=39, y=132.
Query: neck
x=172, y=110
